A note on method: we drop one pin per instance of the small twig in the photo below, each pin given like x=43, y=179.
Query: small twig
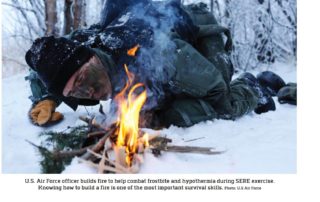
x=106, y=168
x=189, y=149
x=96, y=148
x=69, y=127
x=90, y=123
x=111, y=169
x=102, y=141
x=108, y=160
x=87, y=110
x=18, y=7
x=37, y=146
x=117, y=165
x=6, y=58
x=70, y=154
x=102, y=164
x=96, y=134
x=95, y=154
x=194, y=139
x=159, y=140
x=100, y=144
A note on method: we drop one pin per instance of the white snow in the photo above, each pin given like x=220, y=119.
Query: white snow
x=122, y=20
x=253, y=144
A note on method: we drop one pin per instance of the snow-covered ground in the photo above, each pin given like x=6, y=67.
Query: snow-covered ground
x=254, y=143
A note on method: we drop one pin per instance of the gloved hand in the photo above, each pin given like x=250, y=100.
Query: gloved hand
x=43, y=113
x=288, y=94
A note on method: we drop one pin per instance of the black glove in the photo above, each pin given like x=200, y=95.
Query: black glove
x=288, y=94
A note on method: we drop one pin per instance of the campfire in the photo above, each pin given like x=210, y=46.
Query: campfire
x=128, y=139
x=128, y=144
x=125, y=143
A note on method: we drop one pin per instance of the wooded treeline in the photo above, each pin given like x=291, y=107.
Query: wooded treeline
x=26, y=20
x=43, y=17
x=263, y=31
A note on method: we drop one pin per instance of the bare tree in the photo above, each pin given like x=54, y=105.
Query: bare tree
x=79, y=14
x=74, y=15
x=68, y=20
x=38, y=9
x=263, y=31
x=27, y=14
x=51, y=17
x=27, y=20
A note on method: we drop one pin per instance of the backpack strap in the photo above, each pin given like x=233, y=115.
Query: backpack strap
x=208, y=30
x=205, y=107
x=185, y=117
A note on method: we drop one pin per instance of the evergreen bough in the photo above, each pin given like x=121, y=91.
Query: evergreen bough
x=56, y=142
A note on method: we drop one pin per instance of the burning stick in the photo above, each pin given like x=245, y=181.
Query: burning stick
x=121, y=155
x=121, y=160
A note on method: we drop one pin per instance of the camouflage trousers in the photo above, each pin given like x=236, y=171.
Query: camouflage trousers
x=186, y=112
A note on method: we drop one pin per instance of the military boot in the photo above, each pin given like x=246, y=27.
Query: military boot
x=265, y=101
x=271, y=82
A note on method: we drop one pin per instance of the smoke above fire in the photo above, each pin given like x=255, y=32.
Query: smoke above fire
x=153, y=28
x=155, y=62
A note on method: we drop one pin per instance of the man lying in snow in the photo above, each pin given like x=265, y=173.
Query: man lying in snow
x=182, y=60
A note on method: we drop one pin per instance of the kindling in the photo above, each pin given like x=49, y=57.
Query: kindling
x=53, y=187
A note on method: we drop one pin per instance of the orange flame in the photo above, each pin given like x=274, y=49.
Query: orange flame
x=132, y=51
x=145, y=139
x=128, y=117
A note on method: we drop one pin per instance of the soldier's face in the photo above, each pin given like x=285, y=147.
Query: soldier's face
x=91, y=81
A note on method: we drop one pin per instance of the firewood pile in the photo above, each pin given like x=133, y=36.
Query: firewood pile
x=106, y=157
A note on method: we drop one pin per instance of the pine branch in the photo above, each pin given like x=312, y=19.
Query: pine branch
x=61, y=154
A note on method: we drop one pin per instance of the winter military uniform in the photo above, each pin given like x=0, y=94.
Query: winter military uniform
x=215, y=96
x=197, y=86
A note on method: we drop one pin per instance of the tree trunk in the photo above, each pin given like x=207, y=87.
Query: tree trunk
x=79, y=14
x=84, y=14
x=68, y=25
x=74, y=15
x=51, y=17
